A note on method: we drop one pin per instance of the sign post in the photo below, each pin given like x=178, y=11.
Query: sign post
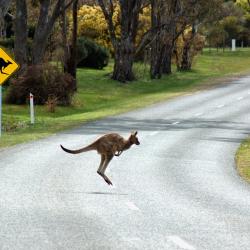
x=0, y=110
x=7, y=67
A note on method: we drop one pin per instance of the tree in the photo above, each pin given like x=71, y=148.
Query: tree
x=4, y=6
x=204, y=11
x=71, y=60
x=20, y=46
x=167, y=24
x=44, y=27
x=124, y=45
x=49, y=12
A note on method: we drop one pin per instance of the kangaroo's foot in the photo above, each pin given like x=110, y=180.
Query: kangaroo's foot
x=108, y=181
x=105, y=178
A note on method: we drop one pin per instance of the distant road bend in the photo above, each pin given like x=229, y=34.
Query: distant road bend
x=178, y=190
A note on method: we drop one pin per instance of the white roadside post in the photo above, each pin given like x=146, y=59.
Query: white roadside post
x=0, y=110
x=32, y=113
x=233, y=44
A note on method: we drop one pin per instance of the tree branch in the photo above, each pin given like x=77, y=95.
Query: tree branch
x=109, y=18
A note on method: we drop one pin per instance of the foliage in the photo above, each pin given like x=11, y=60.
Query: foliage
x=233, y=23
x=243, y=159
x=95, y=56
x=92, y=24
x=45, y=82
x=196, y=44
x=12, y=124
x=7, y=43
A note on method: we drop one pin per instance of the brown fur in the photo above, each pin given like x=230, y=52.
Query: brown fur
x=107, y=146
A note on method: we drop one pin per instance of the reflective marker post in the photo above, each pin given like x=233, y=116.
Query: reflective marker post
x=233, y=45
x=32, y=113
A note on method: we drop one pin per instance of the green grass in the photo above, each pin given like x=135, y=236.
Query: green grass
x=242, y=159
x=98, y=96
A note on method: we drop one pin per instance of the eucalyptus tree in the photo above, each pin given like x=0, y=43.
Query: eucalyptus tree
x=167, y=23
x=170, y=19
x=4, y=6
x=20, y=46
x=123, y=43
x=49, y=11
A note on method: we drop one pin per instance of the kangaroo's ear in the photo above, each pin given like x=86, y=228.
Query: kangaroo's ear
x=134, y=133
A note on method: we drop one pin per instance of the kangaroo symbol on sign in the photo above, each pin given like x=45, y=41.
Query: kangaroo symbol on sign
x=3, y=65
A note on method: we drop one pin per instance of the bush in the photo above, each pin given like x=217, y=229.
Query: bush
x=44, y=82
x=92, y=55
x=7, y=43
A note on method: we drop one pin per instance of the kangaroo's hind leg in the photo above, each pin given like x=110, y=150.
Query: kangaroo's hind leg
x=108, y=158
x=101, y=164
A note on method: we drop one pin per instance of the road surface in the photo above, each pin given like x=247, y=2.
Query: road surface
x=178, y=190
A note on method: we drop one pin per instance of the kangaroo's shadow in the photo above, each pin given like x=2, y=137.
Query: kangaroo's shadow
x=106, y=193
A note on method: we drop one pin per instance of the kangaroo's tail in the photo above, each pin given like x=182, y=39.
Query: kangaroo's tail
x=78, y=151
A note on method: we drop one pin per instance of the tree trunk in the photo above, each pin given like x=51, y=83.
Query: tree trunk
x=71, y=62
x=41, y=33
x=167, y=60
x=124, y=58
x=186, y=62
x=21, y=34
x=157, y=45
x=4, y=6
x=45, y=24
x=124, y=47
x=156, y=61
x=65, y=44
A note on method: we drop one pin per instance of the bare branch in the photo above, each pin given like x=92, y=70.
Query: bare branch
x=109, y=18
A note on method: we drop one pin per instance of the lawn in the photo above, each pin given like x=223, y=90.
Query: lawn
x=98, y=96
x=243, y=160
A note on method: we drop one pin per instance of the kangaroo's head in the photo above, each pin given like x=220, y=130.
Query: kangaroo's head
x=133, y=138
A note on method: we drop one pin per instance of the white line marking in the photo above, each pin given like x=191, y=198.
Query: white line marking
x=240, y=98
x=154, y=133
x=132, y=206
x=198, y=114
x=220, y=106
x=174, y=123
x=180, y=242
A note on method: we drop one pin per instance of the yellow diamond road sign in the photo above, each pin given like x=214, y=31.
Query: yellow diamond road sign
x=7, y=66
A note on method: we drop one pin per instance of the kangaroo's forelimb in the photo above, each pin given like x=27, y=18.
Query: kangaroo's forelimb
x=118, y=153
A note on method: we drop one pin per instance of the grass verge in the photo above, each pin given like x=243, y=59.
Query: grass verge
x=242, y=159
x=98, y=96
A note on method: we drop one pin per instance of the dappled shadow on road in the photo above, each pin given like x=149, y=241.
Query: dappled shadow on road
x=127, y=124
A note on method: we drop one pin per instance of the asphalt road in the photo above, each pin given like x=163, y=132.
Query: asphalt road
x=178, y=190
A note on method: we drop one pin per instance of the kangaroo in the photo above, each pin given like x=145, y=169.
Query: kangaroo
x=107, y=146
x=3, y=65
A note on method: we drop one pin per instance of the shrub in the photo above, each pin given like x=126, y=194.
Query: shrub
x=43, y=81
x=93, y=55
x=7, y=43
x=51, y=104
x=12, y=124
